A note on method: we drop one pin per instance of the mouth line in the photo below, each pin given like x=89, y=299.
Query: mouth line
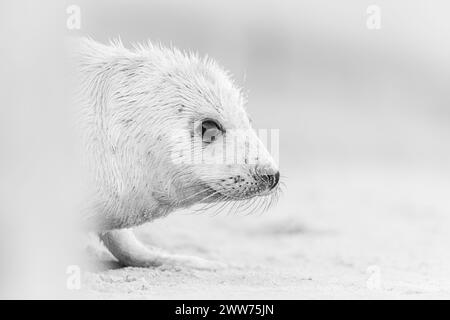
x=261, y=194
x=211, y=194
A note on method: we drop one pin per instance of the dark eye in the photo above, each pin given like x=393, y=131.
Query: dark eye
x=210, y=131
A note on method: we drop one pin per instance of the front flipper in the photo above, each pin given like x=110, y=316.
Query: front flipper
x=124, y=245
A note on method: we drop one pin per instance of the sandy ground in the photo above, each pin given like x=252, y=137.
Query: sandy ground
x=354, y=233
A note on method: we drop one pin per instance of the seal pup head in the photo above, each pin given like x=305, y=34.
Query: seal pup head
x=166, y=129
x=213, y=148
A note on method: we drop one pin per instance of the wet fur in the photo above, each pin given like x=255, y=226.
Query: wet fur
x=137, y=109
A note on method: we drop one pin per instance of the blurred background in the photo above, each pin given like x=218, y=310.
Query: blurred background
x=340, y=93
x=364, y=120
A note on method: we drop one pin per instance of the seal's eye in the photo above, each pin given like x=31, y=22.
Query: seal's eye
x=210, y=131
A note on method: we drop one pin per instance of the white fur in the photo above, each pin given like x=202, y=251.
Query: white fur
x=135, y=105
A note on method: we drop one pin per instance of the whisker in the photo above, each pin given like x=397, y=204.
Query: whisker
x=253, y=204
x=192, y=196
x=233, y=208
x=208, y=205
x=245, y=205
x=223, y=205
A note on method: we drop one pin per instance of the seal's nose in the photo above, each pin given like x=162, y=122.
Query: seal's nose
x=271, y=179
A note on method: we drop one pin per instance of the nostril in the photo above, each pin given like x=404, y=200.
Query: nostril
x=275, y=179
x=267, y=176
x=271, y=179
